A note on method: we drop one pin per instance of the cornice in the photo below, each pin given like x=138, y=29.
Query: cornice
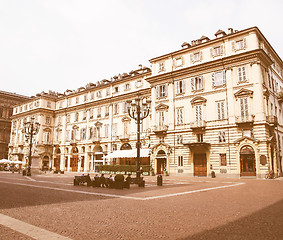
x=33, y=111
x=110, y=100
x=225, y=62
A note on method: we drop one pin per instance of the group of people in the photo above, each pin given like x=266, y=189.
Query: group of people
x=102, y=181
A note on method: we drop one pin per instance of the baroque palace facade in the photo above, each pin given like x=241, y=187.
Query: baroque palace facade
x=215, y=106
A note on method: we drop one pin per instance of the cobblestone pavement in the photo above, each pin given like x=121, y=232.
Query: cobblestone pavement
x=183, y=208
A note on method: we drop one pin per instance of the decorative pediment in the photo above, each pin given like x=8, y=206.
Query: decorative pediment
x=161, y=146
x=245, y=139
x=198, y=100
x=161, y=107
x=126, y=119
x=75, y=127
x=98, y=124
x=243, y=93
x=47, y=130
x=58, y=129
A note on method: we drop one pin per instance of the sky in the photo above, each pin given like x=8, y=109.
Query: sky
x=65, y=44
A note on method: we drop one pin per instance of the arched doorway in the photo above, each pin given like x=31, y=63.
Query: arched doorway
x=57, y=160
x=45, y=163
x=126, y=146
x=247, y=161
x=83, y=160
x=98, y=156
x=74, y=159
x=161, y=162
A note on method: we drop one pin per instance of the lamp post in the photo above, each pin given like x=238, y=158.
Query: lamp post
x=138, y=109
x=30, y=129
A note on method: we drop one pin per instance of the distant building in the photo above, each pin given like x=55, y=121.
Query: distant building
x=7, y=101
x=216, y=106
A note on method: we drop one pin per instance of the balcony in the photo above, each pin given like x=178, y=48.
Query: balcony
x=198, y=125
x=160, y=129
x=125, y=137
x=245, y=121
x=96, y=140
x=272, y=120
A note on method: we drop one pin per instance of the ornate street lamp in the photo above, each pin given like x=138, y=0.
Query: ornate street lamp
x=138, y=109
x=30, y=129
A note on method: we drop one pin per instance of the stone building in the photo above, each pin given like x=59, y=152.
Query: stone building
x=215, y=107
x=79, y=128
x=7, y=101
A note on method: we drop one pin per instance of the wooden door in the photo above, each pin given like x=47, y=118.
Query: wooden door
x=161, y=165
x=200, y=164
x=248, y=165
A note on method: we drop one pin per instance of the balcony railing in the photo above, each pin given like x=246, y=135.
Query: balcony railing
x=124, y=137
x=198, y=125
x=249, y=119
x=160, y=129
x=272, y=120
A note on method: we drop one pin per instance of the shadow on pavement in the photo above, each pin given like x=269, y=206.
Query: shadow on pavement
x=264, y=224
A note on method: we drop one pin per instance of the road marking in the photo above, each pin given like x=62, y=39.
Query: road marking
x=75, y=191
x=28, y=229
x=31, y=179
x=127, y=197
x=193, y=191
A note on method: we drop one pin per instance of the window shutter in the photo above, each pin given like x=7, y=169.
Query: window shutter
x=165, y=90
x=245, y=43
x=211, y=52
x=213, y=79
x=192, y=57
x=233, y=46
x=223, y=77
x=177, y=87
x=200, y=55
x=157, y=91
x=244, y=73
x=201, y=82
x=193, y=84
x=183, y=86
x=222, y=49
x=240, y=74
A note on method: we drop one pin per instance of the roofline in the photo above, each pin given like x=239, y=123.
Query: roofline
x=14, y=94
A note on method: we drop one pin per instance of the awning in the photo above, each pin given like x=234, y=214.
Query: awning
x=128, y=153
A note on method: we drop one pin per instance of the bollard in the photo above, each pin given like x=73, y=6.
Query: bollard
x=213, y=174
x=159, y=180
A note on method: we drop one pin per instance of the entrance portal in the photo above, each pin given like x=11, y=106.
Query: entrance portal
x=247, y=161
x=161, y=162
x=200, y=164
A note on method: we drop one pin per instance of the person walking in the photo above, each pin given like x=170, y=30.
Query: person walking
x=102, y=180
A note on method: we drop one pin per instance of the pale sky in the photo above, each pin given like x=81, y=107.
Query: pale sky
x=65, y=44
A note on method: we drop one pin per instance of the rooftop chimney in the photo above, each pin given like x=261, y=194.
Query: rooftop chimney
x=230, y=30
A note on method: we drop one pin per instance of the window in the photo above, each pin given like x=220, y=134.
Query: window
x=114, y=129
x=179, y=139
x=161, y=118
x=199, y=137
x=221, y=136
x=240, y=44
x=46, y=137
x=77, y=100
x=68, y=118
x=98, y=112
x=126, y=128
x=76, y=117
x=218, y=78
x=198, y=113
x=106, y=111
x=98, y=94
x=92, y=96
x=91, y=114
x=106, y=128
x=161, y=91
x=115, y=109
x=83, y=134
x=47, y=120
x=180, y=161
x=108, y=92
x=139, y=83
x=60, y=104
x=125, y=107
x=116, y=89
x=85, y=97
x=196, y=57
x=91, y=133
x=180, y=87
x=217, y=51
x=161, y=67
x=244, y=108
x=127, y=87
x=223, y=160
x=48, y=105
x=59, y=120
x=180, y=116
x=242, y=74
x=220, y=110
x=178, y=62
x=197, y=83
x=84, y=115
